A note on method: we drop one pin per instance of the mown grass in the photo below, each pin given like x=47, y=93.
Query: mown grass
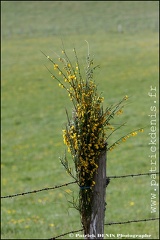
x=33, y=110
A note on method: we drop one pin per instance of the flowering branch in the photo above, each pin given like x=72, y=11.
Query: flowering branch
x=87, y=132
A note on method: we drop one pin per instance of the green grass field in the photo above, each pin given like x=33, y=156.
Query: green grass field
x=33, y=111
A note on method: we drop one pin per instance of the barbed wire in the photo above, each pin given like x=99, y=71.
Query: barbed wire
x=69, y=183
x=39, y=190
x=132, y=221
x=134, y=175
x=109, y=224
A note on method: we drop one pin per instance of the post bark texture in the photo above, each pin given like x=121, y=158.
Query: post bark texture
x=95, y=228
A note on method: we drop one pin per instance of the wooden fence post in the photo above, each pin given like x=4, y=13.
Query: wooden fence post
x=94, y=228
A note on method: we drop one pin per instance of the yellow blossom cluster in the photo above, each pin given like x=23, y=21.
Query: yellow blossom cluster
x=89, y=128
x=124, y=138
x=86, y=134
x=84, y=137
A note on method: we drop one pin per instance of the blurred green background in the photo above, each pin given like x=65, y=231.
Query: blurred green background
x=123, y=38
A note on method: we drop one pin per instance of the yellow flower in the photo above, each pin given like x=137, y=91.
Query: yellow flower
x=96, y=146
x=51, y=224
x=27, y=226
x=93, y=183
x=133, y=134
x=61, y=85
x=71, y=77
x=141, y=130
x=65, y=141
x=119, y=112
x=55, y=66
x=11, y=211
x=68, y=191
x=131, y=203
x=126, y=97
x=69, y=150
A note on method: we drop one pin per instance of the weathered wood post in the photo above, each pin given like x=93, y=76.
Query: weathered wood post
x=94, y=225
